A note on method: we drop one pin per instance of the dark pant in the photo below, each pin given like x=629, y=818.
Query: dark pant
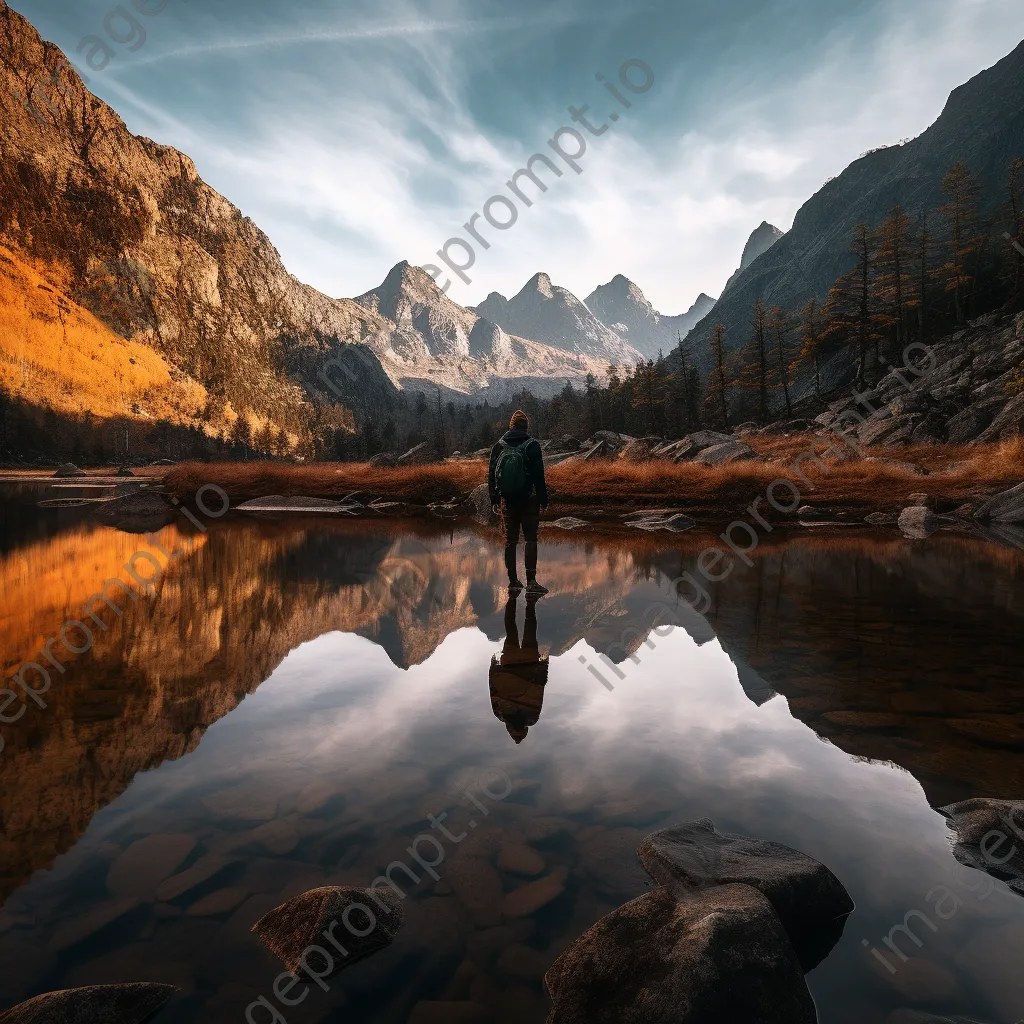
x=525, y=516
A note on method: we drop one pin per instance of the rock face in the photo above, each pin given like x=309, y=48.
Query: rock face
x=622, y=305
x=988, y=834
x=545, y=312
x=810, y=901
x=290, y=929
x=720, y=956
x=97, y=1004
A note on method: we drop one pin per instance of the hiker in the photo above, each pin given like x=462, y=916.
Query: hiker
x=517, y=678
x=516, y=477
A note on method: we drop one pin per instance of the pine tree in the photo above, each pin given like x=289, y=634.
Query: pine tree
x=780, y=326
x=811, y=340
x=754, y=372
x=717, y=399
x=893, y=281
x=961, y=191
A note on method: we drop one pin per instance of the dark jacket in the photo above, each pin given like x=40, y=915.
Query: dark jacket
x=534, y=459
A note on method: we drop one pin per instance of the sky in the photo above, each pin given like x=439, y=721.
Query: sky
x=359, y=133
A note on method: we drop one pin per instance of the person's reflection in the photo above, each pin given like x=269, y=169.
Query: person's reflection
x=518, y=676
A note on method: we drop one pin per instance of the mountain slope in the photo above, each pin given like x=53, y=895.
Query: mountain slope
x=551, y=314
x=622, y=305
x=982, y=124
x=155, y=253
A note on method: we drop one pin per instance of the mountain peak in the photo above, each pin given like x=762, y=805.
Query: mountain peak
x=761, y=240
x=540, y=283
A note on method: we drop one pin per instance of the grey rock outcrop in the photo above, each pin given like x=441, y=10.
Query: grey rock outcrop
x=1005, y=507
x=132, y=1003
x=723, y=454
x=720, y=955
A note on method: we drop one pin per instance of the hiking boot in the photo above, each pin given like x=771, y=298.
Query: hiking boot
x=533, y=588
x=515, y=586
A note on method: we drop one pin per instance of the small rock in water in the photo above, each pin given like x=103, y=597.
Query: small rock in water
x=290, y=929
x=919, y=522
x=69, y=469
x=520, y=859
x=132, y=1003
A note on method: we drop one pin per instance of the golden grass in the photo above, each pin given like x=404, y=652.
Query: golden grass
x=242, y=480
x=56, y=354
x=956, y=474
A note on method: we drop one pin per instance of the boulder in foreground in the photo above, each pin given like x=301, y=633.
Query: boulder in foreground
x=811, y=902
x=720, y=955
x=290, y=929
x=133, y=1003
x=988, y=837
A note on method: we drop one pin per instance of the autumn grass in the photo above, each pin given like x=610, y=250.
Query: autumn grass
x=956, y=474
x=419, y=485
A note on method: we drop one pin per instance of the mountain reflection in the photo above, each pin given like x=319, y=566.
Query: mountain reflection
x=892, y=650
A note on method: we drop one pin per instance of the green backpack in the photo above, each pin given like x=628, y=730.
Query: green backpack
x=510, y=471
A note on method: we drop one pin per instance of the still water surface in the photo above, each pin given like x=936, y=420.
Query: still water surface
x=300, y=696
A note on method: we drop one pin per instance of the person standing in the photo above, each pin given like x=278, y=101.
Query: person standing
x=515, y=477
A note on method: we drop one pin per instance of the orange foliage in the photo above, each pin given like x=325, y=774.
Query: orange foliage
x=55, y=353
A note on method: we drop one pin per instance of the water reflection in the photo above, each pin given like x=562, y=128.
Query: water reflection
x=298, y=697
x=518, y=675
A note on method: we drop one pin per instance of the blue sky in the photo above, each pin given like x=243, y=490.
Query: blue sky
x=358, y=133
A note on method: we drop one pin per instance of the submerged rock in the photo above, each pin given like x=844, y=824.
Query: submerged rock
x=298, y=503
x=677, y=523
x=132, y=1003
x=988, y=837
x=289, y=930
x=811, y=902
x=720, y=955
x=569, y=523
x=138, y=512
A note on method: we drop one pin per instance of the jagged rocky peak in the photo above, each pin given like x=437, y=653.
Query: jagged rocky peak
x=541, y=285
x=492, y=308
x=405, y=291
x=760, y=241
x=621, y=301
